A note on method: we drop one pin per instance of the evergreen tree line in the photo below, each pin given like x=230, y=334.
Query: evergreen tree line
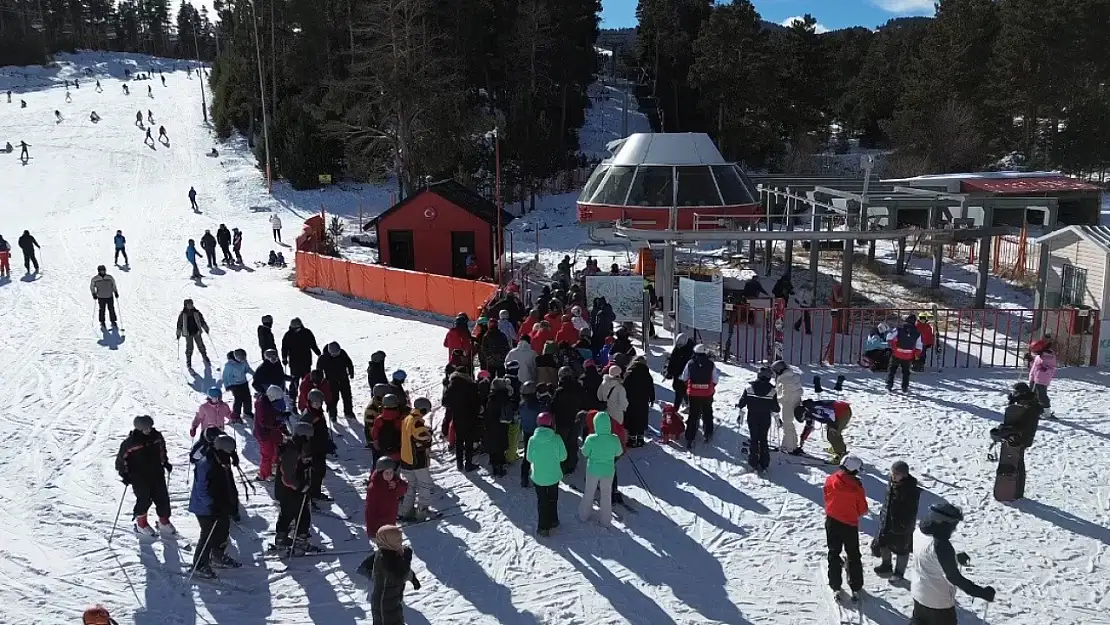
x=32, y=30
x=1017, y=82
x=408, y=89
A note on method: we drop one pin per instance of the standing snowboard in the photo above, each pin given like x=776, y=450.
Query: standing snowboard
x=1009, y=479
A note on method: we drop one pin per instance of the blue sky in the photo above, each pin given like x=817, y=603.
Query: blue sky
x=830, y=14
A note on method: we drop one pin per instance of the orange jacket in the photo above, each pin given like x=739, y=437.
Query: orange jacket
x=845, y=500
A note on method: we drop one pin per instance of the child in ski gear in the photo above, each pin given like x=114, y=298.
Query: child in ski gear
x=896, y=523
x=1042, y=371
x=236, y=370
x=761, y=403
x=701, y=377
x=313, y=380
x=268, y=419
x=545, y=453
x=936, y=567
x=416, y=442
x=375, y=370
x=103, y=287
x=370, y=415
x=213, y=413
x=463, y=403
x=237, y=245
x=835, y=415
x=498, y=416
x=320, y=445
x=292, y=486
x=845, y=504
x=191, y=256
x=458, y=337
x=190, y=324
x=120, y=242
x=142, y=463
x=386, y=433
x=384, y=492
x=266, y=335
x=215, y=502
x=339, y=371
x=392, y=570
x=906, y=347
x=601, y=450
x=397, y=387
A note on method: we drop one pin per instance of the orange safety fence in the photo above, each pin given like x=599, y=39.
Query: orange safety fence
x=414, y=290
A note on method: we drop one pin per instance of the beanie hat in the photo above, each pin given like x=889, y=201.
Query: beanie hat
x=389, y=538
x=615, y=371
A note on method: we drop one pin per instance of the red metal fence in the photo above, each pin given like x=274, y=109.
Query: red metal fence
x=964, y=338
x=1012, y=256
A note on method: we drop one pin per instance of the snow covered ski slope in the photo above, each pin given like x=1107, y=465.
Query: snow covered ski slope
x=711, y=542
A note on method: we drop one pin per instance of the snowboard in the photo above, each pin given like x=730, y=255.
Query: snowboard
x=1010, y=473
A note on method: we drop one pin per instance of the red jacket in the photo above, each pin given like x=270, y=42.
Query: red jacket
x=306, y=386
x=458, y=339
x=539, y=339
x=553, y=319
x=386, y=433
x=617, y=428
x=845, y=500
x=529, y=322
x=567, y=334
x=926, y=332
x=382, y=499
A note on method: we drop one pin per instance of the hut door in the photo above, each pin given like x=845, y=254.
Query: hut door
x=462, y=246
x=400, y=249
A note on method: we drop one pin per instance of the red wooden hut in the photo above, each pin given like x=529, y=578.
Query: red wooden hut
x=444, y=229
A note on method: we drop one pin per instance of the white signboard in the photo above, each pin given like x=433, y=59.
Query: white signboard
x=700, y=304
x=624, y=293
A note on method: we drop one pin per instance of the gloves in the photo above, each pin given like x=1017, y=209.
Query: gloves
x=963, y=559
x=123, y=478
x=94, y=297
x=168, y=467
x=415, y=583
x=192, y=432
x=987, y=593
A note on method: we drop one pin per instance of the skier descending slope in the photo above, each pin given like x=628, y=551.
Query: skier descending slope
x=103, y=287
x=936, y=569
x=142, y=463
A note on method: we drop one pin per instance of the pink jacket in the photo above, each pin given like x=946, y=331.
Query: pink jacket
x=1043, y=369
x=210, y=415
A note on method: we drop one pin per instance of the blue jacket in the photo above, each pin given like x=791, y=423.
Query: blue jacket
x=214, y=491
x=191, y=254
x=530, y=409
x=235, y=373
x=120, y=241
x=874, y=342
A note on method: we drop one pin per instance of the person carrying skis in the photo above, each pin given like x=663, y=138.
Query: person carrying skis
x=339, y=371
x=386, y=433
x=701, y=377
x=215, y=501
x=1042, y=371
x=384, y=491
x=544, y=454
x=760, y=401
x=297, y=347
x=213, y=413
x=236, y=370
x=268, y=418
x=193, y=199
x=601, y=450
x=1018, y=431
x=103, y=288
x=676, y=363
x=237, y=245
x=416, y=443
x=906, y=347
x=275, y=224
x=392, y=570
x=142, y=463
x=845, y=504
x=269, y=373
x=462, y=403
x=223, y=238
x=191, y=256
x=5, y=258
x=190, y=324
x=27, y=245
x=266, y=335
x=835, y=415
x=208, y=244
x=789, y=391
x=321, y=444
x=936, y=567
x=896, y=523
x=120, y=242
x=292, y=487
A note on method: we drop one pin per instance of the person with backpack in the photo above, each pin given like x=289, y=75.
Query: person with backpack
x=214, y=500
x=544, y=455
x=462, y=402
x=906, y=347
x=701, y=377
x=191, y=325
x=639, y=389
x=386, y=433
x=760, y=401
x=120, y=242
x=601, y=450
x=292, y=488
x=320, y=445
x=339, y=370
x=142, y=463
x=236, y=370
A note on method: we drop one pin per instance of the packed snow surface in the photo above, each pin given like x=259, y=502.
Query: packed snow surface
x=711, y=543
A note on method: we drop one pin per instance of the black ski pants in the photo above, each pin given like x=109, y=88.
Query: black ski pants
x=1041, y=391
x=759, y=451
x=932, y=616
x=109, y=304
x=214, y=533
x=226, y=249
x=151, y=492
x=30, y=259
x=570, y=441
x=701, y=411
x=464, y=447
x=547, y=506
x=319, y=468
x=804, y=319
x=895, y=364
x=525, y=466
x=292, y=506
x=843, y=537
x=636, y=418
x=679, y=392
x=341, y=389
x=241, y=404
x=210, y=254
x=123, y=251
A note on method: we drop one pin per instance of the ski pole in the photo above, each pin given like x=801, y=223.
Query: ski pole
x=118, y=511
x=297, y=526
x=119, y=309
x=200, y=554
x=986, y=607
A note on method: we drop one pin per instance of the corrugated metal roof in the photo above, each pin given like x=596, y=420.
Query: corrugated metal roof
x=1021, y=186
x=670, y=148
x=1098, y=235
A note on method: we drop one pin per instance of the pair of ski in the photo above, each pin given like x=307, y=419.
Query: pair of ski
x=848, y=610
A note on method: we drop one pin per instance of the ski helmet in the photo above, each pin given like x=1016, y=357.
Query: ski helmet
x=271, y=355
x=512, y=367
x=188, y=303
x=501, y=384
x=274, y=392
x=778, y=367
x=900, y=467
x=566, y=372
x=483, y=375
x=378, y=356
x=543, y=392
x=241, y=355
x=851, y=464
x=1021, y=388
x=295, y=323
x=143, y=422
x=911, y=318
x=303, y=430
x=400, y=375
x=528, y=388
x=333, y=348
x=423, y=404
x=316, y=396
x=946, y=513
x=700, y=349
x=504, y=314
x=381, y=390
x=385, y=463
x=615, y=371
x=225, y=444
x=483, y=321
x=545, y=420
x=267, y=320
x=212, y=433
x=391, y=401
x=215, y=393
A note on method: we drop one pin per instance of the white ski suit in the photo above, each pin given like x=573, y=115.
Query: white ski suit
x=788, y=388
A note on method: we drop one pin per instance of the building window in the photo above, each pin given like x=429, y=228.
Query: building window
x=1074, y=285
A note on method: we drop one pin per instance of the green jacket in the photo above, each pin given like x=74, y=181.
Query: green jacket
x=602, y=448
x=546, y=451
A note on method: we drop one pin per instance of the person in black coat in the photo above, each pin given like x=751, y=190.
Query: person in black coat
x=27, y=244
x=1018, y=430
x=761, y=402
x=270, y=373
x=208, y=244
x=297, y=347
x=569, y=398
x=223, y=237
x=142, y=463
x=499, y=414
x=215, y=502
x=339, y=371
x=392, y=570
x=640, y=388
x=897, y=522
x=493, y=349
x=461, y=402
x=591, y=381
x=375, y=369
x=292, y=487
x=676, y=362
x=266, y=335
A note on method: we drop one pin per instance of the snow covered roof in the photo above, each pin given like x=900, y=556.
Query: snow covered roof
x=1097, y=235
x=671, y=148
x=984, y=175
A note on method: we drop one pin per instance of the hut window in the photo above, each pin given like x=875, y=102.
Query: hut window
x=696, y=187
x=1074, y=285
x=653, y=186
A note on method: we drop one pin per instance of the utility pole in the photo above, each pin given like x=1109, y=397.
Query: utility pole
x=497, y=190
x=203, y=101
x=262, y=95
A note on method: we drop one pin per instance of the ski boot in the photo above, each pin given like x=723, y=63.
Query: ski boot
x=166, y=528
x=223, y=561
x=143, y=528
x=204, y=571
x=884, y=570
x=322, y=496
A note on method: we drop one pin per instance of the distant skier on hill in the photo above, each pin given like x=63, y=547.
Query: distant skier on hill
x=104, y=292
x=99, y=89
x=94, y=118
x=193, y=199
x=23, y=155
x=139, y=119
x=191, y=256
x=149, y=140
x=275, y=223
x=27, y=244
x=58, y=116
x=120, y=243
x=190, y=324
x=149, y=92
x=208, y=244
x=126, y=90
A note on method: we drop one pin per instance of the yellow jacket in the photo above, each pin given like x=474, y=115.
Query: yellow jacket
x=415, y=441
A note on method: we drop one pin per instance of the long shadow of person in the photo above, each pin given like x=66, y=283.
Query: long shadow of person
x=1064, y=520
x=164, y=602
x=625, y=598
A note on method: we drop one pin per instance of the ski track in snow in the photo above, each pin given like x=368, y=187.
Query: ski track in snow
x=711, y=543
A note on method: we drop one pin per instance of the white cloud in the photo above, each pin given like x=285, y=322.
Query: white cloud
x=906, y=6
x=820, y=28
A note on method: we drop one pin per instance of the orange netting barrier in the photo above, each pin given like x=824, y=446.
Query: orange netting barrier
x=442, y=295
